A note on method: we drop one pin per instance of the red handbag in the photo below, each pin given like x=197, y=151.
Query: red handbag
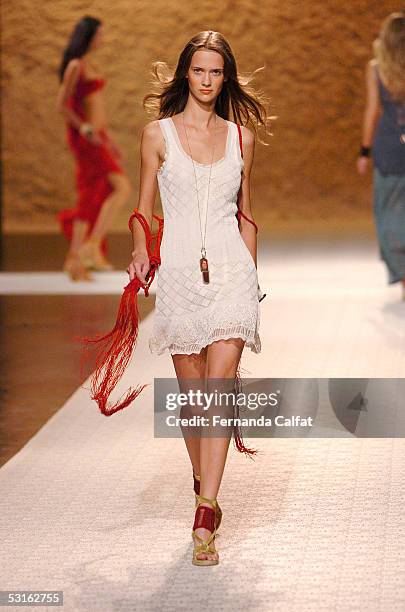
x=116, y=347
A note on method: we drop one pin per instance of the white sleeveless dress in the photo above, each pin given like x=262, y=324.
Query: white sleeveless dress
x=190, y=314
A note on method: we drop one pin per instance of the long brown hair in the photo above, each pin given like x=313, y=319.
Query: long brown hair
x=389, y=50
x=237, y=97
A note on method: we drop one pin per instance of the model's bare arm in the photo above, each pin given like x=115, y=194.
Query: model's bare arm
x=373, y=105
x=67, y=89
x=152, y=144
x=371, y=114
x=247, y=230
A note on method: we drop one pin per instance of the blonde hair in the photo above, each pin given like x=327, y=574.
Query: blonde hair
x=389, y=51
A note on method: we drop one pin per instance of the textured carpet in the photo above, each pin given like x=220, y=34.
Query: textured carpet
x=98, y=508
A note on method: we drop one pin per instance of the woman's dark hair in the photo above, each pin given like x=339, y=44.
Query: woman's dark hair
x=246, y=104
x=79, y=42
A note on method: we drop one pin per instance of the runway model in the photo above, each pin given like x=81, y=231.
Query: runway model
x=207, y=305
x=384, y=138
x=102, y=186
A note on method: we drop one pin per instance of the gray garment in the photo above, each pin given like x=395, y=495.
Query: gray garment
x=388, y=150
x=389, y=214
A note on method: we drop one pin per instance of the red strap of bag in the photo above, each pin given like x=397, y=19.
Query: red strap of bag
x=114, y=349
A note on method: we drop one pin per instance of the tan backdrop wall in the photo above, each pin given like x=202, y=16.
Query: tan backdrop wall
x=314, y=51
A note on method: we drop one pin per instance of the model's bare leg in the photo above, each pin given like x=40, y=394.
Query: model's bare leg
x=80, y=229
x=115, y=201
x=222, y=361
x=73, y=265
x=186, y=367
x=90, y=251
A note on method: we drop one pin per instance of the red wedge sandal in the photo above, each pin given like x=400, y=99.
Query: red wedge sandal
x=218, y=511
x=205, y=518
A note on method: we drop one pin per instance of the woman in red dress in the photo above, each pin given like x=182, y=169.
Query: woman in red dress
x=102, y=186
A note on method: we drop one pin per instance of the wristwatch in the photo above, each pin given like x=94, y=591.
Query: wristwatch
x=86, y=129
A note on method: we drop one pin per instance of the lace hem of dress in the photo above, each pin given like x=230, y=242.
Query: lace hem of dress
x=161, y=342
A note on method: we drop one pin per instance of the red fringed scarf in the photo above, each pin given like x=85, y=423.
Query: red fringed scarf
x=116, y=347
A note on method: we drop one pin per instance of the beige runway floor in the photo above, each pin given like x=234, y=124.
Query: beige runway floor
x=99, y=508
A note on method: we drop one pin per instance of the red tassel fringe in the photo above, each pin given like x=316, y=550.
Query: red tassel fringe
x=237, y=432
x=115, y=352
x=116, y=347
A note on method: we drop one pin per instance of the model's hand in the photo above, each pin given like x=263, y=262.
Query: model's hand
x=362, y=164
x=139, y=266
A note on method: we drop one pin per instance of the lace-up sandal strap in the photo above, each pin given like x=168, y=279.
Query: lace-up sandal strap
x=204, y=545
x=205, y=500
x=197, y=480
x=204, y=518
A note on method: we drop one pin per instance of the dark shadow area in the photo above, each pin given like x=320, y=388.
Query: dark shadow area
x=33, y=252
x=40, y=360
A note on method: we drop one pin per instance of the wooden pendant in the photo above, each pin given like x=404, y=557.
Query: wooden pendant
x=204, y=269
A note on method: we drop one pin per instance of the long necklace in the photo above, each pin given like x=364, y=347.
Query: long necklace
x=203, y=261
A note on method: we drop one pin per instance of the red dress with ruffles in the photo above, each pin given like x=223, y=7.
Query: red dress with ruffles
x=93, y=164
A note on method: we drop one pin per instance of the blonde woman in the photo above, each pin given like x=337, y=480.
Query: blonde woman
x=384, y=139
